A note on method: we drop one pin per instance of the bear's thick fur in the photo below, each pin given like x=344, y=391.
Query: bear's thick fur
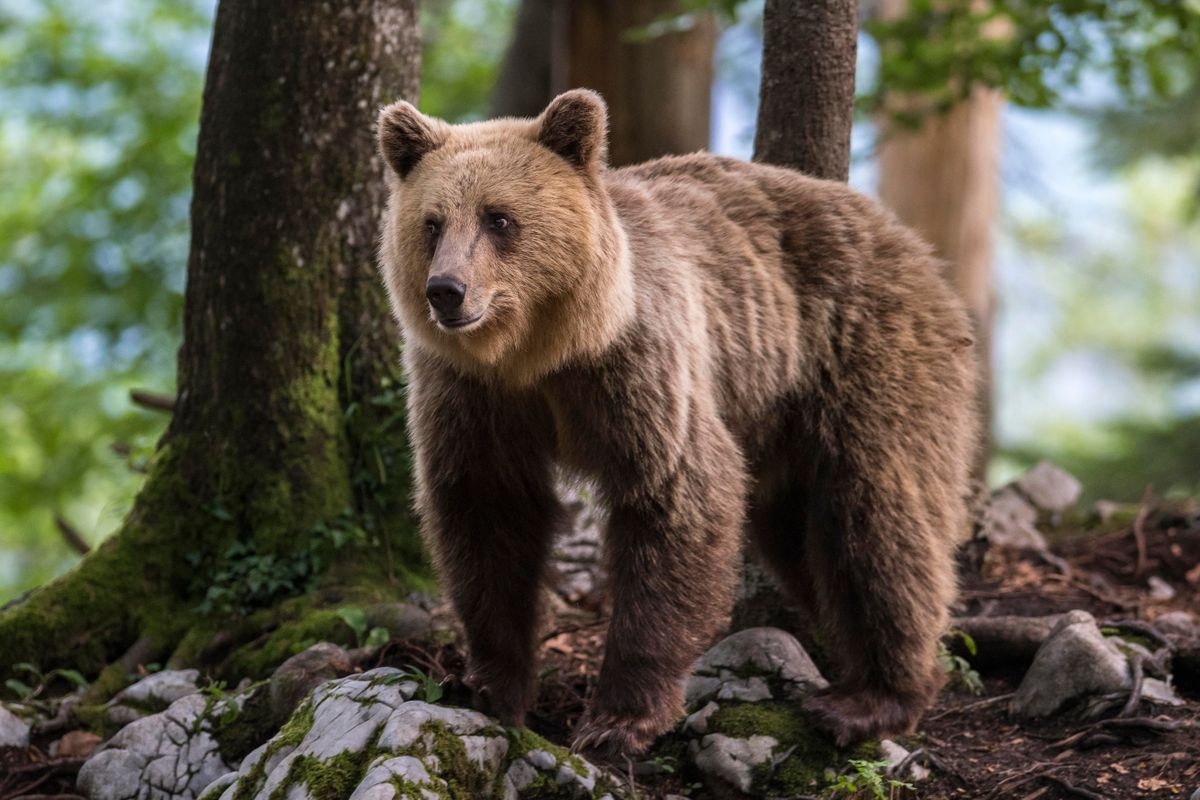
x=720, y=346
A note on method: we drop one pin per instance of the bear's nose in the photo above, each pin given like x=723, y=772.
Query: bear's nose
x=445, y=294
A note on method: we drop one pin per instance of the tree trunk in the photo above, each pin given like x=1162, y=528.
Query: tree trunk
x=943, y=180
x=658, y=85
x=523, y=87
x=806, y=100
x=287, y=439
x=806, y=109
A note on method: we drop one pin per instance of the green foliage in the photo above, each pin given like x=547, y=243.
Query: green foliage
x=866, y=779
x=463, y=42
x=958, y=668
x=356, y=618
x=100, y=101
x=34, y=682
x=241, y=578
x=1035, y=51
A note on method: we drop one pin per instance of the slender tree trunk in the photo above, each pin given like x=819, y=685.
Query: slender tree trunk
x=523, y=87
x=943, y=180
x=806, y=100
x=658, y=89
x=806, y=109
x=286, y=438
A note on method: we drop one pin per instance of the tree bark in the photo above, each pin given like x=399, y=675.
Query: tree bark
x=806, y=99
x=805, y=112
x=658, y=89
x=524, y=86
x=286, y=435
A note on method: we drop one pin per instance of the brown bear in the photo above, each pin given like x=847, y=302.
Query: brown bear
x=720, y=346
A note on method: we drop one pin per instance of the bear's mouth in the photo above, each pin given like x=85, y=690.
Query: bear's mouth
x=458, y=323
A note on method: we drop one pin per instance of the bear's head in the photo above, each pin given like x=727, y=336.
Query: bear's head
x=501, y=251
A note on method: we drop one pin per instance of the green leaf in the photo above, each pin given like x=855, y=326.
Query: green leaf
x=22, y=690
x=72, y=675
x=378, y=637
x=356, y=618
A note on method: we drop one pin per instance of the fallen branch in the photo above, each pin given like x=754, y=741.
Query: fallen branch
x=1103, y=731
x=1138, y=672
x=1070, y=788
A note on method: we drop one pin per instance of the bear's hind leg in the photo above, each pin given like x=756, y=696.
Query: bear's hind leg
x=880, y=555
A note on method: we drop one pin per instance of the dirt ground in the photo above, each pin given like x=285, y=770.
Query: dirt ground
x=968, y=741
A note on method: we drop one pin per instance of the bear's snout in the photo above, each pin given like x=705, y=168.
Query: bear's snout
x=445, y=294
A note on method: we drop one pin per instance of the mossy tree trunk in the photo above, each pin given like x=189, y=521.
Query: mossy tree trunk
x=284, y=469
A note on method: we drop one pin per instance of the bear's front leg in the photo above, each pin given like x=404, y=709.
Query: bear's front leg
x=485, y=494
x=672, y=550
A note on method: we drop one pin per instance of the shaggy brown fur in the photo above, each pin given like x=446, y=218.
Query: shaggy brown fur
x=718, y=345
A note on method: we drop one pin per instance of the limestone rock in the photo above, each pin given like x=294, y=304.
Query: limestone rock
x=14, y=731
x=1179, y=623
x=731, y=760
x=368, y=732
x=152, y=694
x=295, y=678
x=1009, y=521
x=744, y=665
x=171, y=755
x=1050, y=488
x=1075, y=661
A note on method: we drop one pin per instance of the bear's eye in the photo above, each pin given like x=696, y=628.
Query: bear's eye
x=433, y=227
x=498, y=221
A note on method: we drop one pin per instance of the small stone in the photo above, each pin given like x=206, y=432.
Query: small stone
x=697, y=723
x=1195, y=795
x=401, y=620
x=542, y=760
x=1011, y=522
x=733, y=760
x=75, y=744
x=295, y=678
x=1075, y=660
x=769, y=652
x=14, y=731
x=1160, y=589
x=1050, y=488
x=1161, y=692
x=1178, y=623
x=895, y=754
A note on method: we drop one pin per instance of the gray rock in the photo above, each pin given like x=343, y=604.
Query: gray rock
x=402, y=620
x=1195, y=795
x=1178, y=623
x=295, y=678
x=894, y=755
x=697, y=723
x=1050, y=488
x=1160, y=589
x=742, y=665
x=152, y=694
x=1009, y=521
x=731, y=760
x=14, y=731
x=1075, y=661
x=171, y=755
x=375, y=710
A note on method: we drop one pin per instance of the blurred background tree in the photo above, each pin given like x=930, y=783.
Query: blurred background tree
x=1098, y=319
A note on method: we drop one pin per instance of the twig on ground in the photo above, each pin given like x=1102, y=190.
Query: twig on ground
x=1139, y=534
x=1071, y=788
x=986, y=702
x=1102, y=732
x=1138, y=674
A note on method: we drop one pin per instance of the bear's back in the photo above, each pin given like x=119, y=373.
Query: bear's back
x=790, y=268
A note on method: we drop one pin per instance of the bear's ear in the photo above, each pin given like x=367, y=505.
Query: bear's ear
x=575, y=126
x=406, y=136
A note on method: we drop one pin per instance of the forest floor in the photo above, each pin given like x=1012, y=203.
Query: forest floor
x=970, y=743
